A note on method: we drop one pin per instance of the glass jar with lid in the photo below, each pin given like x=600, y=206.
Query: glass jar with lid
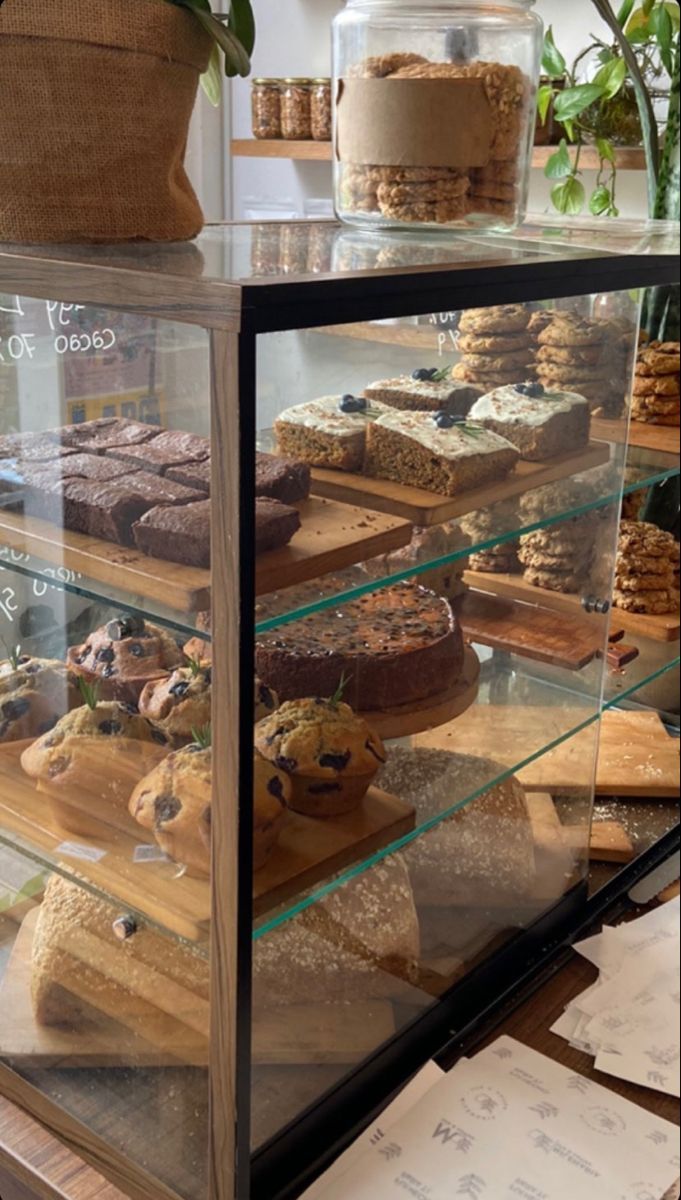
x=321, y=109
x=266, y=108
x=296, y=109
x=435, y=104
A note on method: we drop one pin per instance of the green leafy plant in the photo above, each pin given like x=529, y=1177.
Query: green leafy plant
x=644, y=48
x=203, y=736
x=89, y=692
x=233, y=37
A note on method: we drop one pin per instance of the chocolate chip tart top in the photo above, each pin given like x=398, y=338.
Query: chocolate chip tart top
x=124, y=655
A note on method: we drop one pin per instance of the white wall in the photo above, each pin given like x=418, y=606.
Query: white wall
x=294, y=39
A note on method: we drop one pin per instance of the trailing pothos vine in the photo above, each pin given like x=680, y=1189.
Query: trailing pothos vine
x=641, y=35
x=233, y=38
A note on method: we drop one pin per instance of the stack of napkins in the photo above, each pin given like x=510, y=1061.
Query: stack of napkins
x=629, y=1020
x=511, y=1124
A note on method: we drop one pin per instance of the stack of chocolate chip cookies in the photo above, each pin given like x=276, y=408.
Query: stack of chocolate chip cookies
x=501, y=558
x=647, y=569
x=495, y=346
x=560, y=558
x=657, y=394
x=572, y=356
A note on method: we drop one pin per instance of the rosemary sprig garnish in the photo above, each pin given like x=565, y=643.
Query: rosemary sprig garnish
x=203, y=736
x=195, y=665
x=442, y=375
x=338, y=694
x=89, y=692
x=13, y=654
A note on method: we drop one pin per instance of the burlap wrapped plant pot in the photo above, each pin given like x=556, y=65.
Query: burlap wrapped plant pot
x=95, y=104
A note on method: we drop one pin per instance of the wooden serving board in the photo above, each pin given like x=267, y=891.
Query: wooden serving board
x=637, y=756
x=332, y=536
x=406, y=719
x=659, y=629
x=429, y=508
x=527, y=629
x=663, y=439
x=309, y=851
x=147, y=1036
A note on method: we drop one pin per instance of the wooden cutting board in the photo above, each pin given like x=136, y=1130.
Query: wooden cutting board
x=528, y=630
x=637, y=756
x=430, y=508
x=666, y=628
x=138, y=1034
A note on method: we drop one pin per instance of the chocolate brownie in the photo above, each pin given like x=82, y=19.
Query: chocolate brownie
x=193, y=475
x=43, y=483
x=179, y=533
x=109, y=510
x=98, y=436
x=169, y=449
x=275, y=524
x=32, y=447
x=281, y=478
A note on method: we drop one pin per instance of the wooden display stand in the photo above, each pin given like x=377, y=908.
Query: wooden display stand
x=428, y=508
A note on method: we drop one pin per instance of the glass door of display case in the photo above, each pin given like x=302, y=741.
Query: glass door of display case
x=305, y=596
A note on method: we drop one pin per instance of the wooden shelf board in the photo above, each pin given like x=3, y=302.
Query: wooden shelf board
x=414, y=337
x=628, y=158
x=657, y=628
x=429, y=508
x=332, y=536
x=637, y=756
x=146, y=1035
x=309, y=852
x=527, y=629
x=663, y=439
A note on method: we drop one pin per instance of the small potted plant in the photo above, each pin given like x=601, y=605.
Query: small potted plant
x=95, y=104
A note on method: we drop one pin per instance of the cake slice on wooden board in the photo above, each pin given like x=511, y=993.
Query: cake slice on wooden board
x=400, y=644
x=176, y=533
x=169, y=449
x=103, y=433
x=415, y=393
x=109, y=510
x=328, y=432
x=538, y=421
x=440, y=453
x=275, y=524
x=281, y=478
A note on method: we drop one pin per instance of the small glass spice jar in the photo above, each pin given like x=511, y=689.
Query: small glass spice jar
x=296, y=110
x=266, y=108
x=320, y=105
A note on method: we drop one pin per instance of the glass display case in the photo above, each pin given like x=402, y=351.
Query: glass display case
x=307, y=545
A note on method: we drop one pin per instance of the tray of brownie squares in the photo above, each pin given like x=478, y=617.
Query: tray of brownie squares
x=129, y=504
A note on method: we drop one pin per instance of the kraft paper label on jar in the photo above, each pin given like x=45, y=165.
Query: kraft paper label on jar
x=414, y=122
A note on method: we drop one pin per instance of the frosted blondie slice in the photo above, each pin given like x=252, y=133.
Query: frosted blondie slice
x=436, y=451
x=328, y=432
x=413, y=393
x=540, y=423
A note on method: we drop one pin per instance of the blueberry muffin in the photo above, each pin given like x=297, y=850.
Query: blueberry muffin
x=174, y=803
x=34, y=694
x=180, y=703
x=123, y=656
x=265, y=701
x=89, y=763
x=198, y=647
x=330, y=754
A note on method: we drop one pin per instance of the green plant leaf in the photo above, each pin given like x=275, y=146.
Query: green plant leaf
x=574, y=100
x=611, y=77
x=237, y=61
x=663, y=30
x=553, y=62
x=559, y=164
x=544, y=98
x=647, y=7
x=637, y=21
x=569, y=196
x=606, y=150
x=625, y=12
x=211, y=80
x=242, y=23
x=601, y=201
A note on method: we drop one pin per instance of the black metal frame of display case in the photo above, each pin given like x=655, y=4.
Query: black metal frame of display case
x=280, y=1169
x=289, y=1161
